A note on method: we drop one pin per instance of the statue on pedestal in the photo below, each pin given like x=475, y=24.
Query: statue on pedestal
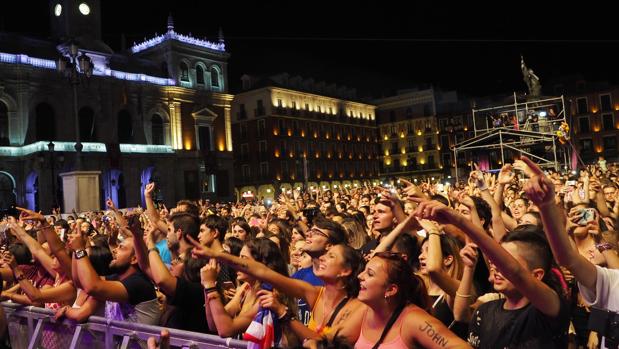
x=532, y=80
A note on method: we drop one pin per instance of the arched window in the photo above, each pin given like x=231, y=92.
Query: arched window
x=184, y=71
x=4, y=124
x=45, y=122
x=157, y=129
x=125, y=127
x=214, y=76
x=199, y=74
x=87, y=124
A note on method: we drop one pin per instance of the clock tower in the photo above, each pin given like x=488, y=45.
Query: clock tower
x=75, y=19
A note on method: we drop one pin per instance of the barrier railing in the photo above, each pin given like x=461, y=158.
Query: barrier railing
x=32, y=327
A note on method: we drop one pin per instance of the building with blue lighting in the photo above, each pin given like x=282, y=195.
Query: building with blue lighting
x=159, y=111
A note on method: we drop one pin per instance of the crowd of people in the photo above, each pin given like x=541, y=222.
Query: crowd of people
x=523, y=259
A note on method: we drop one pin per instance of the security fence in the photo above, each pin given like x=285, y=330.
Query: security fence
x=32, y=327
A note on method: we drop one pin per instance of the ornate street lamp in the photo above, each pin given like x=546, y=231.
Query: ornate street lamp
x=75, y=68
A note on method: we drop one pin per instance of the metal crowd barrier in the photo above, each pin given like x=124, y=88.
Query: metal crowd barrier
x=33, y=327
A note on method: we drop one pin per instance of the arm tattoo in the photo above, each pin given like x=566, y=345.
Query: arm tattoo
x=433, y=334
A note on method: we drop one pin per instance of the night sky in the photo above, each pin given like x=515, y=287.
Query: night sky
x=376, y=47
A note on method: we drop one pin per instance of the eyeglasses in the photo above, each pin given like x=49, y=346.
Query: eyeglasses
x=313, y=231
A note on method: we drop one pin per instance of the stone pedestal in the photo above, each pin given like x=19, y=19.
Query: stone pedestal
x=81, y=191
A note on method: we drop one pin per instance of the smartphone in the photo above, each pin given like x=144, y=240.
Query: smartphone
x=570, y=183
x=587, y=215
x=228, y=285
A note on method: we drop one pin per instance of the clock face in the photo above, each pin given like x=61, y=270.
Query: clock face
x=84, y=9
x=58, y=10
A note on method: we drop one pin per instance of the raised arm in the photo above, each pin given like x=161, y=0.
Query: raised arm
x=403, y=227
x=90, y=281
x=226, y=325
x=35, y=248
x=540, y=190
x=292, y=287
x=63, y=293
x=151, y=210
x=151, y=263
x=464, y=295
x=538, y=293
x=498, y=227
x=434, y=263
x=120, y=219
x=55, y=245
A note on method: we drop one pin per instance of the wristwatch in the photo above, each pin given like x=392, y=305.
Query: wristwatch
x=79, y=254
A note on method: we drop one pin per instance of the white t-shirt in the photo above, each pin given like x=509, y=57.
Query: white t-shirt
x=606, y=296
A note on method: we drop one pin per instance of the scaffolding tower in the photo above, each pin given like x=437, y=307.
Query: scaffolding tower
x=524, y=127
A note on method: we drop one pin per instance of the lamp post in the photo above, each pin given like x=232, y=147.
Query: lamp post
x=51, y=146
x=73, y=68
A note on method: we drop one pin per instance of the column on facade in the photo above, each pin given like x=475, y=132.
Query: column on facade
x=176, y=125
x=228, y=123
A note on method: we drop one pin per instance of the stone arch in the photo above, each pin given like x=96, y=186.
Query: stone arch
x=8, y=187
x=16, y=127
x=148, y=126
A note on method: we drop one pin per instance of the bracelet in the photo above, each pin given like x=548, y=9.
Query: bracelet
x=154, y=249
x=458, y=294
x=211, y=296
x=604, y=246
x=209, y=290
x=435, y=233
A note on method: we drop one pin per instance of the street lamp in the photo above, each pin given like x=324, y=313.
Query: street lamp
x=73, y=68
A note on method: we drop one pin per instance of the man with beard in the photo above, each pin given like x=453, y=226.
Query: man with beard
x=129, y=294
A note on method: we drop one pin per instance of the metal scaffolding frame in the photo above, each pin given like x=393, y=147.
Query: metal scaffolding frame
x=519, y=137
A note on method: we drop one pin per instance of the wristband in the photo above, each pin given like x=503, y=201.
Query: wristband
x=154, y=249
x=604, y=246
x=209, y=290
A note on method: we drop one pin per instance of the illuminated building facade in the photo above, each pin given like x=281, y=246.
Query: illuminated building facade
x=593, y=117
x=157, y=111
x=283, y=125
x=412, y=144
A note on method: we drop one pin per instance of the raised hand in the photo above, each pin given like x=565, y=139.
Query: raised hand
x=410, y=190
x=76, y=242
x=208, y=273
x=429, y=226
x=110, y=204
x=476, y=179
x=28, y=215
x=506, y=175
x=538, y=188
x=199, y=250
x=436, y=211
x=469, y=255
x=148, y=189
